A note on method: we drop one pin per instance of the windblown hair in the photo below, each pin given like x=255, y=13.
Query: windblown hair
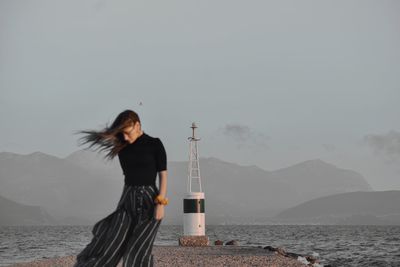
x=110, y=139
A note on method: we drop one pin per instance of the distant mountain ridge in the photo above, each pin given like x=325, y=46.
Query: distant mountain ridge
x=84, y=185
x=380, y=207
x=319, y=178
x=13, y=213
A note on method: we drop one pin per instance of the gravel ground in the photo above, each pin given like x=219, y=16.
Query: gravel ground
x=195, y=256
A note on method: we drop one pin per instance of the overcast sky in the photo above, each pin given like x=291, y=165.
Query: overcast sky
x=269, y=83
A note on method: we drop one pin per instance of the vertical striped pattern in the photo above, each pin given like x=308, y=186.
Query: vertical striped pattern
x=126, y=233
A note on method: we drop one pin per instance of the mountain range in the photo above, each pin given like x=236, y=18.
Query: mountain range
x=13, y=212
x=82, y=187
x=379, y=207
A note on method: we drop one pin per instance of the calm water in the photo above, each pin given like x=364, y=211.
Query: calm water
x=335, y=245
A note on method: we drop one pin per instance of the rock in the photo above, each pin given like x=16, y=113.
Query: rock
x=218, y=242
x=269, y=248
x=293, y=255
x=312, y=259
x=232, y=243
x=281, y=251
x=194, y=241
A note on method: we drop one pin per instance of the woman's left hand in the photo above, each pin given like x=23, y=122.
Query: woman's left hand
x=158, y=211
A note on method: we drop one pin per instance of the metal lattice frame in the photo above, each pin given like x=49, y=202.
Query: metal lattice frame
x=194, y=165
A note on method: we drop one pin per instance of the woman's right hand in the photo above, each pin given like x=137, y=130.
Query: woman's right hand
x=158, y=211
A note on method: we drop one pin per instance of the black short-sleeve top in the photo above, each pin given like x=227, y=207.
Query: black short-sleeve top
x=142, y=160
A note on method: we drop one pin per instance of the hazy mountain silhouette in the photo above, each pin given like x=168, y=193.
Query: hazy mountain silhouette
x=13, y=213
x=380, y=207
x=83, y=187
x=61, y=187
x=316, y=178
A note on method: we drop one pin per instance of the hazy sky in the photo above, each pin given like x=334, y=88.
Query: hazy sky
x=269, y=83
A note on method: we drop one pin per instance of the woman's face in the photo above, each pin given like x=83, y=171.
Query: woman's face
x=132, y=132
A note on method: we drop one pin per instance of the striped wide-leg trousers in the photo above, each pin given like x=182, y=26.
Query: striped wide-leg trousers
x=126, y=233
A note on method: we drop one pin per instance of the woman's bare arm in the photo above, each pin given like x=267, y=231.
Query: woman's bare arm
x=159, y=208
x=162, y=175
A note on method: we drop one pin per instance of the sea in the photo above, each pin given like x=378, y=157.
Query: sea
x=334, y=245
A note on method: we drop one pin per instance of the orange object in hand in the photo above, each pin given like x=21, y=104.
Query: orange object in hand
x=160, y=200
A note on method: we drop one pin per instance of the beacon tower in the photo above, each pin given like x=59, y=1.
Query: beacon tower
x=193, y=202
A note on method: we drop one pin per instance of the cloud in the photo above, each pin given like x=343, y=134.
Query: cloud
x=237, y=132
x=244, y=136
x=329, y=147
x=385, y=144
x=99, y=4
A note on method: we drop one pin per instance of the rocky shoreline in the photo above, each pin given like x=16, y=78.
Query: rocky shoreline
x=215, y=255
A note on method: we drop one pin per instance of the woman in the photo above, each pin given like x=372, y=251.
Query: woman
x=130, y=230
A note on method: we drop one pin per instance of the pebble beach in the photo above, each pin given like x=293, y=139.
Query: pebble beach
x=195, y=256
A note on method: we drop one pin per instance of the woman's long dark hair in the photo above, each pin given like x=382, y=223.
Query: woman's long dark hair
x=110, y=138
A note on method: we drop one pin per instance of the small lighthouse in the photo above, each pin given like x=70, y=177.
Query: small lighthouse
x=193, y=202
